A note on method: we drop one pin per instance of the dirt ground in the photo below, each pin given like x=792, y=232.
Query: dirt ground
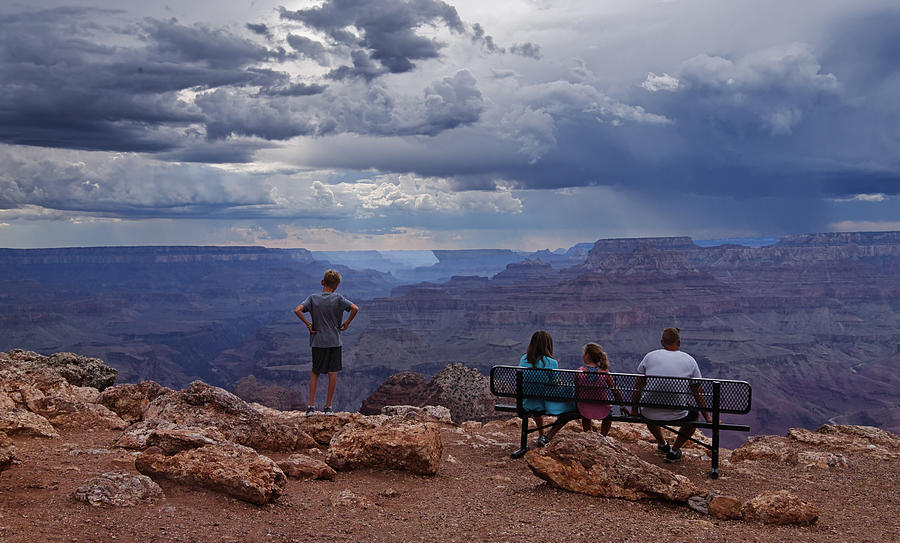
x=479, y=494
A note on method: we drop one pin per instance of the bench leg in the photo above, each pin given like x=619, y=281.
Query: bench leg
x=523, y=445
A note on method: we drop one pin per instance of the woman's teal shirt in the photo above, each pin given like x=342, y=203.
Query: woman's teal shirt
x=539, y=381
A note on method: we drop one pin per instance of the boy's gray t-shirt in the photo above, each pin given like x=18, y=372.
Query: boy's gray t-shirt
x=326, y=309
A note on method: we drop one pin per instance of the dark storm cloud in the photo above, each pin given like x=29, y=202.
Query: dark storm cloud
x=385, y=31
x=62, y=86
x=261, y=29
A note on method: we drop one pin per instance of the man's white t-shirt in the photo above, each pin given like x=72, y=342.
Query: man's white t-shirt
x=663, y=363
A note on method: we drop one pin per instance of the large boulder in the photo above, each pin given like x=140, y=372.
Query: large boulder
x=320, y=426
x=228, y=468
x=7, y=452
x=65, y=412
x=202, y=405
x=766, y=448
x=866, y=440
x=592, y=464
x=780, y=507
x=464, y=391
x=19, y=422
x=77, y=370
x=129, y=401
x=386, y=443
x=118, y=490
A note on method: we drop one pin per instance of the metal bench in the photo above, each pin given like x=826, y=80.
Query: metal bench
x=721, y=396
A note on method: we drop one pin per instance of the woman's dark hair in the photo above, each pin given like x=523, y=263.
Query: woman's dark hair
x=541, y=345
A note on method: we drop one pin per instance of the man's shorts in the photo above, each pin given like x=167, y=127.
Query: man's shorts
x=326, y=359
x=693, y=414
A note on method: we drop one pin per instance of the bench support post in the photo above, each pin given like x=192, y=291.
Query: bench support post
x=717, y=390
x=523, y=445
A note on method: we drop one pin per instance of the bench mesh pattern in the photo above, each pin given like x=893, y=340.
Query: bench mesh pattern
x=663, y=392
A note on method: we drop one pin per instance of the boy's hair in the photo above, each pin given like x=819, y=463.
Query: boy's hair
x=596, y=355
x=671, y=336
x=541, y=345
x=332, y=278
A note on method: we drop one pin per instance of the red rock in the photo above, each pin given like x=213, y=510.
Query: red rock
x=20, y=422
x=129, y=401
x=7, y=452
x=301, y=466
x=224, y=467
x=385, y=443
x=780, y=507
x=589, y=463
x=118, y=490
x=69, y=413
x=725, y=507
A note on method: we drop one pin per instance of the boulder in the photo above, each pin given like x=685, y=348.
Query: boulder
x=592, y=464
x=228, y=468
x=66, y=412
x=767, y=449
x=76, y=370
x=301, y=466
x=202, y=405
x=385, y=443
x=428, y=413
x=867, y=440
x=324, y=427
x=174, y=440
x=129, y=401
x=19, y=422
x=821, y=460
x=464, y=391
x=725, y=507
x=780, y=507
x=135, y=436
x=7, y=452
x=118, y=489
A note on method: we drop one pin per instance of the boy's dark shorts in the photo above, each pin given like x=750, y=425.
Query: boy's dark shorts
x=326, y=359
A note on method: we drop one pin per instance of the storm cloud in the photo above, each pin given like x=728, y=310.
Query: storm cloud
x=417, y=110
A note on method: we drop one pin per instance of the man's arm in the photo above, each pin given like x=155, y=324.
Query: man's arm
x=697, y=391
x=639, y=384
x=353, y=311
x=299, y=312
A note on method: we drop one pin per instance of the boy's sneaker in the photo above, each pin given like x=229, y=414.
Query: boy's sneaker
x=664, y=448
x=673, y=455
x=328, y=410
x=310, y=410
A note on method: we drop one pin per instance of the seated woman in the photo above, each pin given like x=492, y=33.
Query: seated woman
x=540, y=357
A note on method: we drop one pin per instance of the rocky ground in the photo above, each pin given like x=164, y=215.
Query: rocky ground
x=412, y=476
x=478, y=494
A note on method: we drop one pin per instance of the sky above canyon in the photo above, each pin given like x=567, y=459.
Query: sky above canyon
x=421, y=124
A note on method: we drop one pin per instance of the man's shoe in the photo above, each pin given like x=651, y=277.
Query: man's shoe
x=664, y=448
x=541, y=441
x=310, y=410
x=328, y=410
x=673, y=456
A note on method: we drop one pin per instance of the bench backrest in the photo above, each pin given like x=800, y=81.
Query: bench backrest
x=661, y=392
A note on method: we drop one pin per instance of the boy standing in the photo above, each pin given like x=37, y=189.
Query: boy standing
x=326, y=309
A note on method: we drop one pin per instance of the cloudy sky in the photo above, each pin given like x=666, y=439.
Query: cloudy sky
x=413, y=124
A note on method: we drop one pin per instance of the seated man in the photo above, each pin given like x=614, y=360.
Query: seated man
x=669, y=362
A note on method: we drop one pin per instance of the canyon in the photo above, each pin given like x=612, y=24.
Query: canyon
x=812, y=321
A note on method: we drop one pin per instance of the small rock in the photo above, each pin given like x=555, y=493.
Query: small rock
x=301, y=466
x=119, y=490
x=349, y=499
x=725, y=507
